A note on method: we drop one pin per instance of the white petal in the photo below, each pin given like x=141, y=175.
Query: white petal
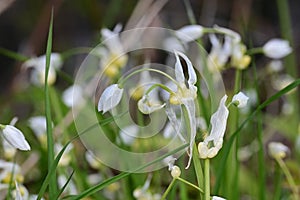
x=73, y=96
x=217, y=198
x=277, y=149
x=38, y=124
x=241, y=99
x=189, y=33
x=218, y=122
x=110, y=98
x=190, y=108
x=234, y=35
x=147, y=107
x=176, y=123
x=15, y=137
x=277, y=48
x=179, y=71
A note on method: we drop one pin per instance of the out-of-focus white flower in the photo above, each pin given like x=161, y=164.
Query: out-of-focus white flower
x=219, y=53
x=93, y=162
x=275, y=66
x=39, y=68
x=20, y=193
x=73, y=96
x=277, y=48
x=173, y=44
x=146, y=106
x=143, y=193
x=278, y=150
x=10, y=171
x=112, y=56
x=38, y=125
x=9, y=150
x=94, y=179
x=240, y=99
x=238, y=57
x=70, y=189
x=217, y=198
x=170, y=160
x=218, y=123
x=128, y=134
x=110, y=98
x=282, y=81
x=184, y=95
x=14, y=137
x=236, y=38
x=66, y=157
x=189, y=33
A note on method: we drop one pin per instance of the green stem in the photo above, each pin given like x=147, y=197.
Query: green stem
x=288, y=177
x=198, y=168
x=168, y=189
x=278, y=178
x=206, y=180
x=190, y=184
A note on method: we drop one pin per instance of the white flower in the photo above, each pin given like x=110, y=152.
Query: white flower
x=275, y=66
x=278, y=150
x=21, y=193
x=92, y=161
x=217, y=198
x=128, y=134
x=110, y=98
x=185, y=95
x=189, y=33
x=73, y=96
x=39, y=68
x=66, y=157
x=240, y=99
x=277, y=48
x=218, y=123
x=234, y=35
x=70, y=189
x=9, y=150
x=14, y=137
x=38, y=125
x=282, y=81
x=175, y=171
x=146, y=106
x=219, y=53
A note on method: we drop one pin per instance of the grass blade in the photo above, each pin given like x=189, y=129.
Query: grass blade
x=65, y=185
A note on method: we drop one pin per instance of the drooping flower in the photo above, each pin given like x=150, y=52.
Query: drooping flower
x=240, y=99
x=38, y=125
x=278, y=150
x=10, y=171
x=110, y=98
x=73, y=96
x=277, y=48
x=14, y=137
x=185, y=94
x=38, y=64
x=189, y=33
x=214, y=141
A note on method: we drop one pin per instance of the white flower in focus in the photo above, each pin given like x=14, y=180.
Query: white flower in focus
x=217, y=198
x=240, y=99
x=184, y=95
x=14, y=137
x=73, y=96
x=146, y=106
x=189, y=33
x=214, y=141
x=278, y=150
x=277, y=48
x=39, y=68
x=110, y=98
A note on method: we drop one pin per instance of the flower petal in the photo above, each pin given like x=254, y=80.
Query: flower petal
x=277, y=48
x=110, y=98
x=241, y=99
x=189, y=33
x=15, y=137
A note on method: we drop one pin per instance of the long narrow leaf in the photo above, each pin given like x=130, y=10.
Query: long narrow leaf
x=65, y=185
x=50, y=144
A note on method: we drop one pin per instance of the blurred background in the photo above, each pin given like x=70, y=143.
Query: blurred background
x=77, y=23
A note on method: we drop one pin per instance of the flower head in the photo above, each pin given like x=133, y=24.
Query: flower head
x=214, y=141
x=147, y=106
x=240, y=99
x=14, y=137
x=189, y=33
x=39, y=68
x=73, y=96
x=277, y=48
x=110, y=98
x=278, y=150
